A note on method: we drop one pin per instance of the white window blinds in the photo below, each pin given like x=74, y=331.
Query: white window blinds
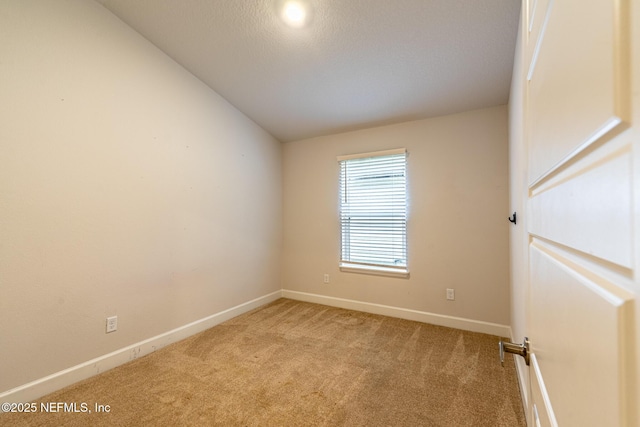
x=373, y=209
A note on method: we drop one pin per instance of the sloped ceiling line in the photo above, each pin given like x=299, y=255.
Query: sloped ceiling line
x=357, y=64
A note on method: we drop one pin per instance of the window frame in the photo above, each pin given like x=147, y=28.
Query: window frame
x=374, y=268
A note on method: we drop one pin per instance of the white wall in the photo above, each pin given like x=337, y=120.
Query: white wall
x=519, y=239
x=127, y=187
x=457, y=231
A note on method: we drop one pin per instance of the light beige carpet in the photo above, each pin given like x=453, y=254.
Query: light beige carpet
x=294, y=364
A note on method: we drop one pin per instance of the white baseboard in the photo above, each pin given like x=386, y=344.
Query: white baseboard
x=404, y=313
x=522, y=372
x=38, y=388
x=524, y=395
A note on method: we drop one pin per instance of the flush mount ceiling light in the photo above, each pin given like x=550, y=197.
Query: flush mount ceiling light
x=294, y=13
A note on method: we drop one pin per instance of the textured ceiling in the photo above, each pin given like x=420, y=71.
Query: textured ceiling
x=358, y=63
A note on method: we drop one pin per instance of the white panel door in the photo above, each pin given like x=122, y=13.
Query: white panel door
x=582, y=138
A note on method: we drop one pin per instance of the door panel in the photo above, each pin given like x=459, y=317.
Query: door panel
x=537, y=16
x=543, y=415
x=576, y=83
x=576, y=312
x=568, y=209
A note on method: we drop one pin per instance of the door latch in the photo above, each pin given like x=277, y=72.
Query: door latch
x=519, y=349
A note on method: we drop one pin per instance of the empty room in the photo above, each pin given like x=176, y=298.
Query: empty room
x=320, y=212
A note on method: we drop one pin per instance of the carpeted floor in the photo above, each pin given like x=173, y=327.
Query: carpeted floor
x=292, y=363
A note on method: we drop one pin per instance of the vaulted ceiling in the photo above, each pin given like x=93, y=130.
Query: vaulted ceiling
x=355, y=64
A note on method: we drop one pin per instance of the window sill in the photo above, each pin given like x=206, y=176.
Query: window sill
x=374, y=270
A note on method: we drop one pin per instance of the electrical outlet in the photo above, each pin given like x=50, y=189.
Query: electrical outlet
x=112, y=324
x=326, y=278
x=451, y=294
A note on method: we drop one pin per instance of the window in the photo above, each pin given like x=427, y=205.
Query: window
x=373, y=212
